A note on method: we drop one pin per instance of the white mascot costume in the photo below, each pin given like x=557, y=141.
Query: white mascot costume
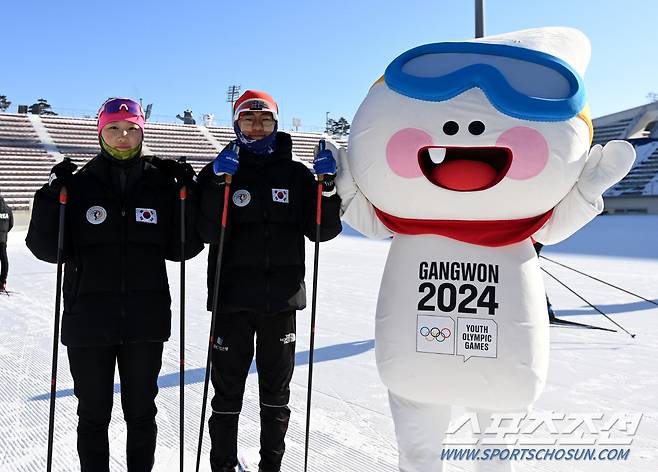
x=464, y=152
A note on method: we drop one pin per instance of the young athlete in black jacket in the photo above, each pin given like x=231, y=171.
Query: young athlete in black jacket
x=272, y=208
x=122, y=222
x=6, y=223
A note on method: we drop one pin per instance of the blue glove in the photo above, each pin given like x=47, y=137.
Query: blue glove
x=227, y=161
x=324, y=163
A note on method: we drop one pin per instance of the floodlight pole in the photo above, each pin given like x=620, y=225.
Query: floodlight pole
x=479, y=18
x=231, y=96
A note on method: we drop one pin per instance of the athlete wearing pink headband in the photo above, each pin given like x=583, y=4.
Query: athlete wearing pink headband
x=122, y=223
x=120, y=109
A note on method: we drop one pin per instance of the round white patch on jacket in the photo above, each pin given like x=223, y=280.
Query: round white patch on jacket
x=241, y=198
x=96, y=215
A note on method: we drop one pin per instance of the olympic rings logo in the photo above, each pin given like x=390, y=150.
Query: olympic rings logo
x=435, y=334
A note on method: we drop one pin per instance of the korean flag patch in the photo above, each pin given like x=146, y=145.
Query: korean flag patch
x=280, y=195
x=146, y=215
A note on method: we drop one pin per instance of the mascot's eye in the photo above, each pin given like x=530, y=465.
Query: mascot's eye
x=450, y=128
x=476, y=127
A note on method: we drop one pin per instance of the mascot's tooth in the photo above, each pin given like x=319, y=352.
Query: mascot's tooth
x=437, y=154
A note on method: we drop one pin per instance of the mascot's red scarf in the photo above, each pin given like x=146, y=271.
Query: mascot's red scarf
x=492, y=233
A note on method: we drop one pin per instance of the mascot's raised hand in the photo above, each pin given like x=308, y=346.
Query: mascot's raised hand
x=345, y=184
x=605, y=166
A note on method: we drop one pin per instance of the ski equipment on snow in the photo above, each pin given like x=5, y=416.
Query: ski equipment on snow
x=590, y=305
x=63, y=198
x=248, y=460
x=599, y=280
x=559, y=322
x=215, y=307
x=318, y=219
x=182, y=195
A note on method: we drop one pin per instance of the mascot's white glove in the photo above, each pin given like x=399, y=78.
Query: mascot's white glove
x=345, y=184
x=605, y=167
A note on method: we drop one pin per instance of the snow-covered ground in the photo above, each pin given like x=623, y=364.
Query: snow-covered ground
x=591, y=371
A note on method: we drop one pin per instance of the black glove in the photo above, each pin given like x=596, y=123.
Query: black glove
x=328, y=182
x=182, y=173
x=60, y=174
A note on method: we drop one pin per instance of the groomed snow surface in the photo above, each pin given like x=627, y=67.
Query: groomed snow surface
x=351, y=428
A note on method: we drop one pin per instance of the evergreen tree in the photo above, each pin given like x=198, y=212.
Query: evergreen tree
x=41, y=107
x=4, y=103
x=338, y=128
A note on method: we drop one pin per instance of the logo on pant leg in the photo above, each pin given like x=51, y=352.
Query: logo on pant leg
x=288, y=338
x=219, y=345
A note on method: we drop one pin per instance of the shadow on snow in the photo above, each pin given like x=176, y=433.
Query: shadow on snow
x=607, y=309
x=192, y=376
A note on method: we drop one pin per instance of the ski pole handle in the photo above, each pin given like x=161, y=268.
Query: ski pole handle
x=63, y=196
x=322, y=145
x=235, y=148
x=182, y=193
x=228, y=178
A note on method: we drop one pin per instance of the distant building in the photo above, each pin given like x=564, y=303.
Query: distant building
x=638, y=191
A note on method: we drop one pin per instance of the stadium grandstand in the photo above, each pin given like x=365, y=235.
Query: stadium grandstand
x=31, y=144
x=638, y=191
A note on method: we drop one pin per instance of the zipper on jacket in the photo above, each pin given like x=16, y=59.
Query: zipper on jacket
x=122, y=269
x=266, y=218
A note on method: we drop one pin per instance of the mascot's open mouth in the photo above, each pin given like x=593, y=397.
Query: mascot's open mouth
x=464, y=169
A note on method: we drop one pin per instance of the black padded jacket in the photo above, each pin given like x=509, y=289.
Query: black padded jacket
x=272, y=208
x=118, y=233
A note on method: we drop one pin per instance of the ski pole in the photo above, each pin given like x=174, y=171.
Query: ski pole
x=599, y=280
x=63, y=198
x=592, y=306
x=316, y=257
x=182, y=195
x=215, y=307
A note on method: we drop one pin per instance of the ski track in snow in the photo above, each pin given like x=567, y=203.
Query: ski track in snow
x=590, y=371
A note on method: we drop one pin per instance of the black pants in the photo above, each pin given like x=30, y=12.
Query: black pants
x=92, y=369
x=231, y=358
x=4, y=264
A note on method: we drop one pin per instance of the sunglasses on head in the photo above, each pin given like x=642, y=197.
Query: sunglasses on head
x=115, y=105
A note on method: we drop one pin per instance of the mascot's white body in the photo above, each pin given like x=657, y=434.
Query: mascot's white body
x=463, y=181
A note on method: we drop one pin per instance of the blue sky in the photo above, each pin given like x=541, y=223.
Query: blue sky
x=313, y=57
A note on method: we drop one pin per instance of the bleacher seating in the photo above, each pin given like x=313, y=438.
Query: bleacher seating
x=608, y=132
x=638, y=125
x=642, y=179
x=25, y=159
x=24, y=162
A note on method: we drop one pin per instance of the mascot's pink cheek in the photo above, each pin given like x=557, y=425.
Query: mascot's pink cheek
x=402, y=151
x=529, y=151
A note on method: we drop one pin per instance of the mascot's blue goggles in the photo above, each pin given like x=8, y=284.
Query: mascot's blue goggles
x=519, y=82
